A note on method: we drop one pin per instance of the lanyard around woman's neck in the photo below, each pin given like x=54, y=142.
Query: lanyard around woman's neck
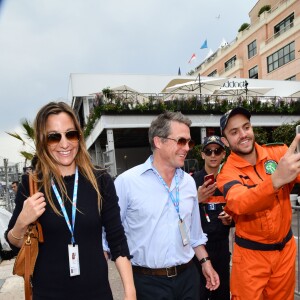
x=74, y=204
x=174, y=200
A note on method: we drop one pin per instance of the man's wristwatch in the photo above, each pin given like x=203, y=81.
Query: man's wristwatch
x=204, y=259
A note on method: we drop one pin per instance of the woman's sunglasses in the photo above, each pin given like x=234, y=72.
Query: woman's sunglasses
x=209, y=152
x=182, y=141
x=54, y=138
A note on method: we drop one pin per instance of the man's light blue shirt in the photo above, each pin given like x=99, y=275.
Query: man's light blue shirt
x=150, y=219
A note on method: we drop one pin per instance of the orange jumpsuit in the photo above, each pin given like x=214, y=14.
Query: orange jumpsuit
x=262, y=215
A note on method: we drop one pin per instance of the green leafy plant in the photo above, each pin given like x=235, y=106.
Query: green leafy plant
x=27, y=139
x=243, y=27
x=195, y=153
x=285, y=133
x=108, y=93
x=263, y=9
x=261, y=135
x=212, y=104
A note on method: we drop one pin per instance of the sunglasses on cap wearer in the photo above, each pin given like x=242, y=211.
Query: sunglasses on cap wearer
x=181, y=141
x=209, y=152
x=55, y=137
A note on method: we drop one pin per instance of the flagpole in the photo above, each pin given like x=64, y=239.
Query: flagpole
x=204, y=45
x=246, y=87
x=200, y=86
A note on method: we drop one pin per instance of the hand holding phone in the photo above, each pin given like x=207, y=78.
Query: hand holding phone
x=210, y=177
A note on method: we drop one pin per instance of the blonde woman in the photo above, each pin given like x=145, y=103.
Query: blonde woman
x=73, y=203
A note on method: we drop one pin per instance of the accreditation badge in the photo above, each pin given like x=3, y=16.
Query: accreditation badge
x=270, y=166
x=183, y=232
x=74, y=260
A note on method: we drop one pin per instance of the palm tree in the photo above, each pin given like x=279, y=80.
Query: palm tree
x=28, y=132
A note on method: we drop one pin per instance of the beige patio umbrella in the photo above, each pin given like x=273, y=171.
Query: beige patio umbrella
x=126, y=92
x=198, y=86
x=129, y=93
x=296, y=94
x=175, y=82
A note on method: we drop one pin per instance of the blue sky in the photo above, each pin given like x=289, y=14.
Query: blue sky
x=43, y=41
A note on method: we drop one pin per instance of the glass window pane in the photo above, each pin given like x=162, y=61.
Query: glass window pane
x=280, y=62
x=270, y=59
x=286, y=50
x=270, y=68
x=292, y=55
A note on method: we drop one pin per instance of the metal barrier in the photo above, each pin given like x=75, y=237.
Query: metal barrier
x=296, y=231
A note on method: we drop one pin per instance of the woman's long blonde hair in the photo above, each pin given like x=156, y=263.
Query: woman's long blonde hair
x=46, y=167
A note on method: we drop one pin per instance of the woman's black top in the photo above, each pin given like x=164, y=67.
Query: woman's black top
x=51, y=279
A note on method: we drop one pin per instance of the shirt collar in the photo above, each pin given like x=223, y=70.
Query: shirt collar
x=148, y=166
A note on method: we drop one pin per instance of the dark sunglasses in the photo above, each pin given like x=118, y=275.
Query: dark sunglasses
x=217, y=152
x=54, y=138
x=182, y=141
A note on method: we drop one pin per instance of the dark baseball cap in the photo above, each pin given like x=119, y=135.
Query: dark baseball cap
x=214, y=139
x=235, y=111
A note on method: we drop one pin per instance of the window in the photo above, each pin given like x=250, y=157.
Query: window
x=285, y=24
x=252, y=49
x=281, y=57
x=230, y=63
x=212, y=74
x=253, y=73
x=292, y=78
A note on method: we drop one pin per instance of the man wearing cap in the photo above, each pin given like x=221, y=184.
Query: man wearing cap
x=256, y=182
x=214, y=220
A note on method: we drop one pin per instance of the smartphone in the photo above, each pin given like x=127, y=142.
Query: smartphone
x=298, y=131
x=208, y=177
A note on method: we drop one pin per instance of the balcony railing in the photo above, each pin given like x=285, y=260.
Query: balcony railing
x=206, y=63
x=279, y=33
x=187, y=103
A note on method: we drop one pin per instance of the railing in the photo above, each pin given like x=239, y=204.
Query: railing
x=296, y=232
x=237, y=64
x=207, y=61
x=277, y=34
x=7, y=202
x=192, y=103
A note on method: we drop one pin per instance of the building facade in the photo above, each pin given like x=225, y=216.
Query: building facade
x=119, y=140
x=10, y=173
x=269, y=48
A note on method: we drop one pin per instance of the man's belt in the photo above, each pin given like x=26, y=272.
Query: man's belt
x=168, y=272
x=263, y=247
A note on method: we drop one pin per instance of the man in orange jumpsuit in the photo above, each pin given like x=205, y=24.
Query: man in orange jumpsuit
x=256, y=182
